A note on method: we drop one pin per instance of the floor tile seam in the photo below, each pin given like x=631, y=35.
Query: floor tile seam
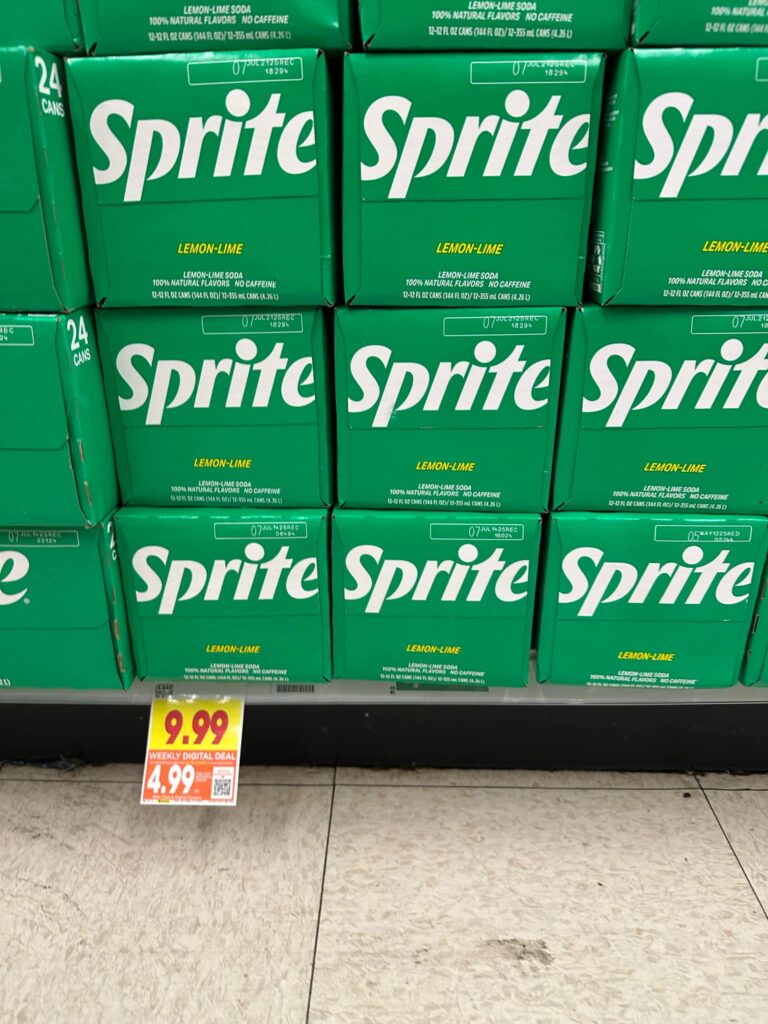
x=734, y=789
x=320, y=901
x=294, y=785
x=729, y=789
x=538, y=789
x=733, y=851
x=413, y=785
x=137, y=782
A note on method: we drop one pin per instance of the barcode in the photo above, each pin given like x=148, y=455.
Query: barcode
x=295, y=688
x=223, y=783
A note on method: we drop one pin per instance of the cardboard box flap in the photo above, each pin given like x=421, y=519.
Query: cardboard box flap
x=51, y=24
x=43, y=266
x=59, y=190
x=56, y=578
x=90, y=440
x=55, y=444
x=699, y=23
x=613, y=187
x=115, y=598
x=31, y=396
x=19, y=190
x=754, y=670
x=346, y=23
x=351, y=229
x=74, y=27
x=570, y=410
x=91, y=15
x=645, y=19
x=371, y=16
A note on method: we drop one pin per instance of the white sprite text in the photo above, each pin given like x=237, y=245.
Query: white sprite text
x=595, y=582
x=231, y=383
x=181, y=579
x=382, y=579
x=14, y=566
x=482, y=383
x=159, y=148
x=653, y=382
x=432, y=143
x=710, y=142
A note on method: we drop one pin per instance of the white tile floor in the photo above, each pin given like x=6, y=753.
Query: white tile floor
x=401, y=897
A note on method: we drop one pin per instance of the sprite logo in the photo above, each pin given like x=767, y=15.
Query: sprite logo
x=175, y=580
x=626, y=384
x=512, y=141
x=462, y=386
x=377, y=579
x=14, y=566
x=594, y=582
x=231, y=382
x=711, y=143
x=242, y=143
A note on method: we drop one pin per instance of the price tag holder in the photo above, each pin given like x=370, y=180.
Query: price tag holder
x=193, y=749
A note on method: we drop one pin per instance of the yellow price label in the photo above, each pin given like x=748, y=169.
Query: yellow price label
x=197, y=723
x=193, y=750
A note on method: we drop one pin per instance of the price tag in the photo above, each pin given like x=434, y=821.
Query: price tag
x=193, y=749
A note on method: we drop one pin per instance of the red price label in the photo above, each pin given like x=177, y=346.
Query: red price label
x=193, y=751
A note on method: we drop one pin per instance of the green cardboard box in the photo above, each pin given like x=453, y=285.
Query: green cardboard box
x=206, y=178
x=423, y=600
x=53, y=25
x=468, y=178
x=700, y=23
x=447, y=411
x=42, y=259
x=230, y=596
x=755, y=669
x=218, y=408
x=163, y=26
x=648, y=600
x=62, y=613
x=515, y=25
x=56, y=461
x=682, y=184
x=675, y=402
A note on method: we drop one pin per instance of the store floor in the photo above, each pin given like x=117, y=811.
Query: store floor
x=392, y=897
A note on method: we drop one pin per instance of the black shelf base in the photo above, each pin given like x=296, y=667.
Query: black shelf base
x=718, y=737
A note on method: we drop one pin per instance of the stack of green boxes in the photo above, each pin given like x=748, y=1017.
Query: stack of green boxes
x=474, y=189
x=467, y=187
x=509, y=413
x=655, y=549
x=208, y=201
x=62, y=618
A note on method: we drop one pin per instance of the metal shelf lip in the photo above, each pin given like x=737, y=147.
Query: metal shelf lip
x=358, y=692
